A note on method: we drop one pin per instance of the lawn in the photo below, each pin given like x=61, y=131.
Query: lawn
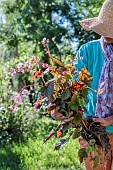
x=33, y=155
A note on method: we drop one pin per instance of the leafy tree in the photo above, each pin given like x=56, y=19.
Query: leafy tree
x=31, y=20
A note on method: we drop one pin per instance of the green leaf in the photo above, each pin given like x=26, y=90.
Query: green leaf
x=92, y=142
x=82, y=154
x=66, y=95
x=48, y=90
x=84, y=92
x=65, y=112
x=74, y=97
x=63, y=105
x=61, y=143
x=68, y=76
x=74, y=107
x=78, y=118
x=96, y=161
x=82, y=102
x=71, y=103
x=89, y=149
x=76, y=134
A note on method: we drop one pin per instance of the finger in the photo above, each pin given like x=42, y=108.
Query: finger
x=57, y=108
x=71, y=113
x=63, y=118
x=69, y=120
x=100, y=120
x=94, y=119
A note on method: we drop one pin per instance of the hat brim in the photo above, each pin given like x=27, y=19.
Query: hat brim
x=97, y=26
x=88, y=23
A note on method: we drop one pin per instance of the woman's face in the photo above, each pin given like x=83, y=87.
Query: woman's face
x=108, y=40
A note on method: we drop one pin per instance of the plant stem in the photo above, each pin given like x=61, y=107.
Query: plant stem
x=43, y=80
x=91, y=89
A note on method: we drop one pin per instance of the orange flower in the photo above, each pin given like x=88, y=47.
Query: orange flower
x=36, y=60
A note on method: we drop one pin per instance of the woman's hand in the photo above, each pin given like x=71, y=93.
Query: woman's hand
x=104, y=121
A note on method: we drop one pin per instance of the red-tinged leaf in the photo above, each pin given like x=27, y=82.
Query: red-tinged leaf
x=78, y=85
x=60, y=71
x=59, y=133
x=57, y=61
x=72, y=69
x=85, y=76
x=92, y=163
x=38, y=74
x=52, y=132
x=52, y=107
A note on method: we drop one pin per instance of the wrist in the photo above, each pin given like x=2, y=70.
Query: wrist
x=109, y=120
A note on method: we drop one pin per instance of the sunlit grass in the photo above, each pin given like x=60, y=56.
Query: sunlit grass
x=33, y=155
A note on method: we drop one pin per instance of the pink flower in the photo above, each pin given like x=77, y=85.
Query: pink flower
x=21, y=70
x=48, y=41
x=81, y=58
x=45, y=65
x=25, y=92
x=37, y=103
x=20, y=65
x=20, y=103
x=45, y=42
x=15, y=109
x=16, y=100
x=20, y=100
x=11, y=107
x=12, y=97
x=13, y=72
x=65, y=72
x=33, y=58
x=28, y=63
x=47, y=51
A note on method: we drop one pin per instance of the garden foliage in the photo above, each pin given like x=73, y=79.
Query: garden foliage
x=65, y=99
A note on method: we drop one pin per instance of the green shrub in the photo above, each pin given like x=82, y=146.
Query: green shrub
x=21, y=124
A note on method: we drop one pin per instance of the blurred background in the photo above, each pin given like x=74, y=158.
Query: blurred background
x=23, y=25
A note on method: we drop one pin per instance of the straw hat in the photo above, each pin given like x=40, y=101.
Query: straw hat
x=103, y=24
